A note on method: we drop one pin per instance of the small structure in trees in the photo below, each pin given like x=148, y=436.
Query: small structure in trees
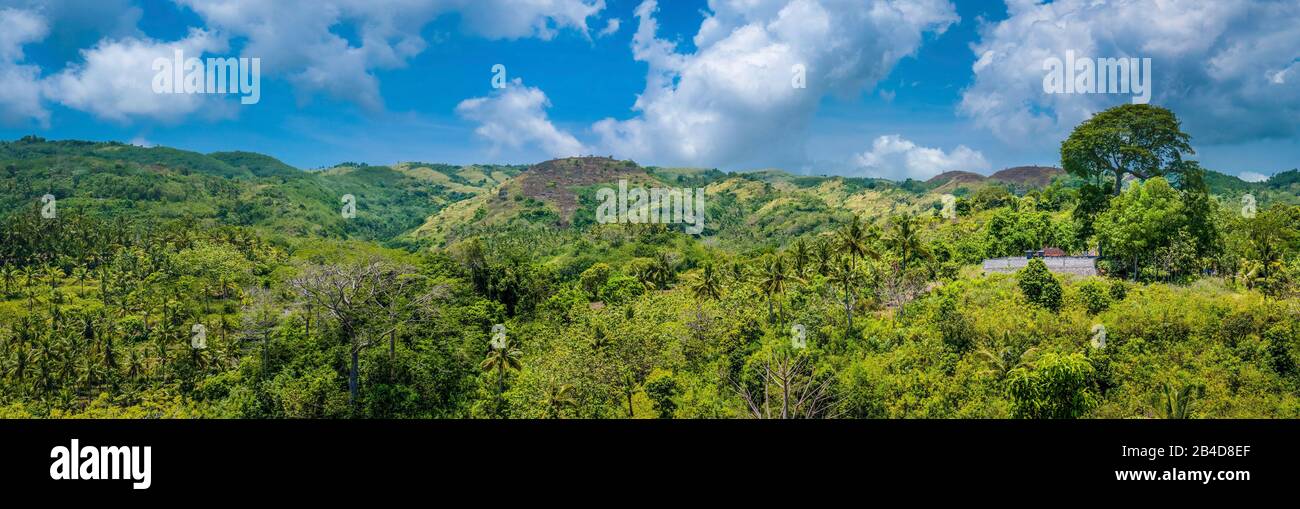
x=1056, y=259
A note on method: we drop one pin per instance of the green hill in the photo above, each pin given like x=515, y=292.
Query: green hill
x=434, y=203
x=229, y=188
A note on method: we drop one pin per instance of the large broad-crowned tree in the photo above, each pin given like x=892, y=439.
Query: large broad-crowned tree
x=368, y=301
x=1131, y=139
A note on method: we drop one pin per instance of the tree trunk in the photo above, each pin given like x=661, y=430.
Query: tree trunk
x=352, y=381
x=1119, y=183
x=767, y=406
x=848, y=308
x=785, y=399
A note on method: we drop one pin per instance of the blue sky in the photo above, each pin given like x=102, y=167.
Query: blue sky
x=893, y=89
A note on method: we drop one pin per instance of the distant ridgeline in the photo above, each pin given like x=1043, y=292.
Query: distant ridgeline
x=232, y=188
x=423, y=204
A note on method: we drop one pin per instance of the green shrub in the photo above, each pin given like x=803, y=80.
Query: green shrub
x=661, y=388
x=1118, y=291
x=1040, y=286
x=1095, y=296
x=1058, y=387
x=594, y=278
x=953, y=326
x=620, y=289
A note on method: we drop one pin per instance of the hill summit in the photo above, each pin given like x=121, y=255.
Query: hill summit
x=553, y=182
x=1020, y=176
x=1028, y=176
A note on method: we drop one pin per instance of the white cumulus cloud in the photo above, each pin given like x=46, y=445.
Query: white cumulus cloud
x=1222, y=66
x=515, y=118
x=733, y=102
x=611, y=27
x=114, y=81
x=298, y=39
x=301, y=41
x=20, y=94
x=897, y=158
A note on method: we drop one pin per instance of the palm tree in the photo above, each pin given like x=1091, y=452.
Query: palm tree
x=557, y=398
x=53, y=274
x=598, y=339
x=855, y=240
x=645, y=274
x=103, y=282
x=1002, y=359
x=22, y=358
x=905, y=238
x=7, y=272
x=737, y=272
x=709, y=285
x=1175, y=403
x=847, y=277
x=29, y=275
x=133, y=366
x=824, y=253
x=773, y=282
x=506, y=358
x=663, y=271
x=800, y=254
x=80, y=272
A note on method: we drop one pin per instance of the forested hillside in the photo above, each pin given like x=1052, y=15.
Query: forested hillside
x=112, y=180
x=167, y=283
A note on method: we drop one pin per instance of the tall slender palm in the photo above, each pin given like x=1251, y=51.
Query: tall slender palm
x=22, y=358
x=905, y=238
x=29, y=277
x=53, y=274
x=738, y=273
x=506, y=358
x=773, y=282
x=664, y=270
x=709, y=286
x=824, y=253
x=133, y=366
x=80, y=272
x=847, y=277
x=557, y=398
x=103, y=282
x=800, y=254
x=855, y=240
x=8, y=272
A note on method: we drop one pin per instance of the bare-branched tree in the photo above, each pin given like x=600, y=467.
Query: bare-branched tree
x=788, y=381
x=366, y=301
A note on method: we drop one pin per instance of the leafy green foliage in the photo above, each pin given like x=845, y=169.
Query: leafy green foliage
x=98, y=306
x=661, y=389
x=1141, y=140
x=1040, y=286
x=1057, y=387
